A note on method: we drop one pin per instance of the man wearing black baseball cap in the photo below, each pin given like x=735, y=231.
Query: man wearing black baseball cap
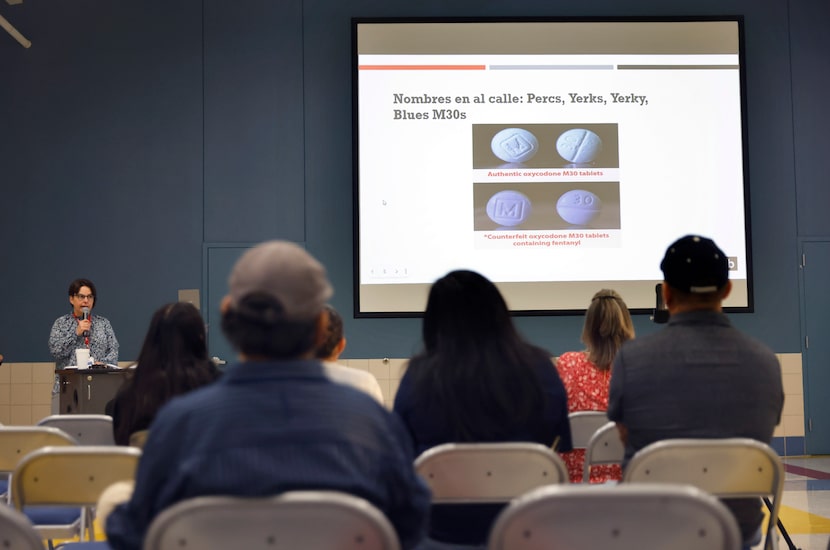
x=699, y=377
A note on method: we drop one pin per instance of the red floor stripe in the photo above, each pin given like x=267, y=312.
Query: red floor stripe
x=798, y=470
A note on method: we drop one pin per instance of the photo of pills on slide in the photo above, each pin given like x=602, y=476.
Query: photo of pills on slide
x=508, y=208
x=578, y=207
x=579, y=145
x=514, y=145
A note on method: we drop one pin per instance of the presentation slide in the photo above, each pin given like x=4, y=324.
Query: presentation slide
x=555, y=158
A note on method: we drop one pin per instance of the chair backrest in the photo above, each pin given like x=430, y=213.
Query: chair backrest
x=88, y=429
x=71, y=476
x=727, y=468
x=605, y=447
x=584, y=424
x=488, y=472
x=18, y=441
x=616, y=517
x=297, y=519
x=16, y=533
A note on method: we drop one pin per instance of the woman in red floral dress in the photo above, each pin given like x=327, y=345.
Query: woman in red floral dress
x=586, y=374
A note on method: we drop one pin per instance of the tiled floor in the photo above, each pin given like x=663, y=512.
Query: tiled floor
x=805, y=510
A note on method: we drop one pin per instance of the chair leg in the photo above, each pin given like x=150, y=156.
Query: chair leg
x=781, y=528
x=90, y=523
x=82, y=530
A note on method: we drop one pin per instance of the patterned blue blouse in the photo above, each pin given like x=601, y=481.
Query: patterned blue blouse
x=63, y=341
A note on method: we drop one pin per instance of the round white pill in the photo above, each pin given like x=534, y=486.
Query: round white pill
x=578, y=207
x=514, y=145
x=508, y=208
x=579, y=145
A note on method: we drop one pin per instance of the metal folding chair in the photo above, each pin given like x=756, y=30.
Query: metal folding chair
x=616, y=517
x=87, y=429
x=292, y=520
x=605, y=447
x=18, y=441
x=488, y=472
x=69, y=478
x=584, y=424
x=727, y=468
x=16, y=533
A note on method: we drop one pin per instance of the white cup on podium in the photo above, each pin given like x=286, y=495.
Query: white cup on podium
x=82, y=358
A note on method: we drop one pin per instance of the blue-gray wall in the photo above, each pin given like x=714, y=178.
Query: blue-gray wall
x=134, y=136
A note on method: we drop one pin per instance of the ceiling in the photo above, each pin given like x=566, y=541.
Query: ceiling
x=9, y=28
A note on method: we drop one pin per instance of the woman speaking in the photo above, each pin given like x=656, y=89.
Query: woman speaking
x=81, y=329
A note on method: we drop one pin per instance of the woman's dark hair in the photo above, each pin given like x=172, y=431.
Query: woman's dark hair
x=474, y=364
x=75, y=287
x=172, y=361
x=257, y=327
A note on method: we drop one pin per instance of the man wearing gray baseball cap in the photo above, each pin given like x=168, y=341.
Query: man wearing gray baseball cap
x=699, y=377
x=275, y=421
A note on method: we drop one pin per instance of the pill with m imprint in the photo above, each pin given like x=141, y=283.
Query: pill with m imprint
x=509, y=208
x=514, y=145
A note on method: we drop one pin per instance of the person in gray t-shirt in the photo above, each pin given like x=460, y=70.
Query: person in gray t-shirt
x=699, y=377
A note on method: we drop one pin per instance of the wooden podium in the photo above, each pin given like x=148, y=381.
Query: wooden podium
x=87, y=391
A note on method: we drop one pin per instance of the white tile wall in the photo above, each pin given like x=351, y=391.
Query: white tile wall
x=25, y=392
x=792, y=418
x=25, y=389
x=387, y=371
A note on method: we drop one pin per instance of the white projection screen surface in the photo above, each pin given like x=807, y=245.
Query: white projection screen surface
x=554, y=157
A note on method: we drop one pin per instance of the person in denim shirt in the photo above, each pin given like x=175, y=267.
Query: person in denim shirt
x=274, y=422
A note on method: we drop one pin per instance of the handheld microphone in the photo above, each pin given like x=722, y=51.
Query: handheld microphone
x=85, y=312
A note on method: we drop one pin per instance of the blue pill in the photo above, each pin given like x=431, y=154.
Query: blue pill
x=508, y=208
x=579, y=145
x=514, y=145
x=578, y=207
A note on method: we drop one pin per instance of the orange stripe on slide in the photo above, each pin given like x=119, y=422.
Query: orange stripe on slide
x=422, y=67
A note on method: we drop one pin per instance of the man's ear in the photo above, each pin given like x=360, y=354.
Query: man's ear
x=665, y=289
x=338, y=349
x=726, y=290
x=225, y=304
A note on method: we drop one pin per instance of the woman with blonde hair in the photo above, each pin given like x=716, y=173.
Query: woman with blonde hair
x=586, y=374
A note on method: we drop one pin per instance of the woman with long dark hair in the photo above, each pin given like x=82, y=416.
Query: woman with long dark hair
x=477, y=380
x=172, y=361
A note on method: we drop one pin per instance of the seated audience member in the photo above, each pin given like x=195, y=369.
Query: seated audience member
x=274, y=422
x=172, y=361
x=586, y=373
x=477, y=380
x=699, y=377
x=329, y=351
